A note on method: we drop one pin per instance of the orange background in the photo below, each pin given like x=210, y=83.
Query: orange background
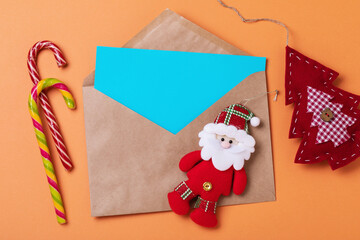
x=313, y=202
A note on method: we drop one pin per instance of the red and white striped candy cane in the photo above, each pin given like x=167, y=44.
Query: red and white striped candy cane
x=44, y=101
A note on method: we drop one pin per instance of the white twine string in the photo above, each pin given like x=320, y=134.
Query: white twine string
x=251, y=20
x=246, y=100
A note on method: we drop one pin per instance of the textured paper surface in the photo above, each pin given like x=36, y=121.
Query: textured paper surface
x=133, y=163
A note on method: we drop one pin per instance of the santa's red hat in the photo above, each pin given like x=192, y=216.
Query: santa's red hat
x=238, y=116
x=233, y=122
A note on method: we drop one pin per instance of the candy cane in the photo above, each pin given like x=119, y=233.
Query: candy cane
x=44, y=101
x=41, y=139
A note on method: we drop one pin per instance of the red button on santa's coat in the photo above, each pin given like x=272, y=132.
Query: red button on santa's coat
x=226, y=144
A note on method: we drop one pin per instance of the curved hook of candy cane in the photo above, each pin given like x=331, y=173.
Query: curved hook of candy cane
x=32, y=56
x=53, y=82
x=41, y=139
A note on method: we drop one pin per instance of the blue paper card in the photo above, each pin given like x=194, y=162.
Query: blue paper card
x=170, y=88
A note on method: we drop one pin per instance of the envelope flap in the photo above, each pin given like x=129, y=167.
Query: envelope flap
x=182, y=35
x=89, y=80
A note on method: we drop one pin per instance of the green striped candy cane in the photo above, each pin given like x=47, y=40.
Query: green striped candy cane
x=41, y=139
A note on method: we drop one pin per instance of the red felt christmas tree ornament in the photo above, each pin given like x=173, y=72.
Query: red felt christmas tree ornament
x=325, y=117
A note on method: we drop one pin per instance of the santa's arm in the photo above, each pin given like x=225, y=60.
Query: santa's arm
x=189, y=160
x=240, y=180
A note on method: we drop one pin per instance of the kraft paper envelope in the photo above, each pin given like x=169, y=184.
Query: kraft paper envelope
x=133, y=162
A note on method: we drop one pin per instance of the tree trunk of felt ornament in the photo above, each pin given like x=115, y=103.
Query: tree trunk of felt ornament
x=325, y=117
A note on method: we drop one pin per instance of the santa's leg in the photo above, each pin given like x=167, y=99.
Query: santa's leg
x=179, y=199
x=204, y=213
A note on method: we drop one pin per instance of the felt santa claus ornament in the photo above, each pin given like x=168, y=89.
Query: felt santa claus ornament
x=217, y=167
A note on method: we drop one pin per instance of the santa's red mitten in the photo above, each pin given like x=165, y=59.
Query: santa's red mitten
x=189, y=161
x=240, y=180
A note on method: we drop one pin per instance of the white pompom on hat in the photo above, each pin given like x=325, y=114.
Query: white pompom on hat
x=255, y=121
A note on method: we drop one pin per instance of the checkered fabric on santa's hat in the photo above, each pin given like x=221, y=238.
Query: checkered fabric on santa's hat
x=238, y=116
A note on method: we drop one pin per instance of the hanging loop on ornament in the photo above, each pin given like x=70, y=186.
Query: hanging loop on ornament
x=246, y=100
x=251, y=20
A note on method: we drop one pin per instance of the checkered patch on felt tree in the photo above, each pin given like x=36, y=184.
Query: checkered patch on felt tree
x=325, y=117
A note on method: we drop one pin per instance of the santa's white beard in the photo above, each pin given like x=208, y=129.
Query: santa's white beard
x=222, y=158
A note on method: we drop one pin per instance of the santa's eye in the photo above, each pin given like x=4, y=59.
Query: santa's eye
x=230, y=141
x=222, y=139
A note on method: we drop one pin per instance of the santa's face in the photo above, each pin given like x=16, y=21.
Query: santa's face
x=226, y=142
x=225, y=151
